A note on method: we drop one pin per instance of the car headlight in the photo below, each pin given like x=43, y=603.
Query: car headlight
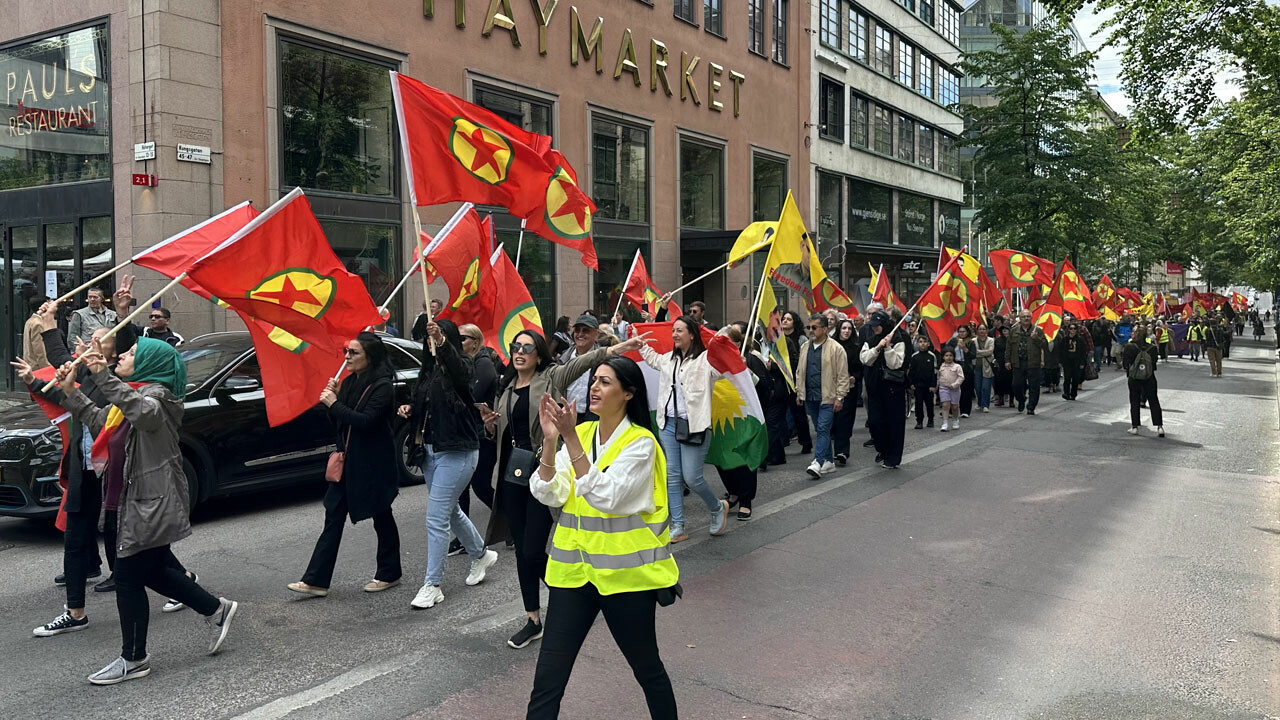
x=15, y=447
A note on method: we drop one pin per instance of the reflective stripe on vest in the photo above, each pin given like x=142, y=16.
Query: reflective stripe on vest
x=612, y=524
x=629, y=561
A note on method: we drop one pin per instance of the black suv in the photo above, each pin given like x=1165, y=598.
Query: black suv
x=227, y=446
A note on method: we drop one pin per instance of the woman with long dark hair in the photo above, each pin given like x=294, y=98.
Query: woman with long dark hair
x=793, y=331
x=514, y=423
x=684, y=421
x=845, y=420
x=360, y=410
x=883, y=356
x=610, y=551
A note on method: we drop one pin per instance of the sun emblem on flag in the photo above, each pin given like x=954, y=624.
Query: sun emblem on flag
x=521, y=318
x=568, y=209
x=470, y=284
x=1022, y=267
x=283, y=338
x=936, y=310
x=482, y=152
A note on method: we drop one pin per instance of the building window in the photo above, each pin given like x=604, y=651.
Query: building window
x=620, y=171
x=713, y=17
x=701, y=185
x=884, y=131
x=950, y=22
x=926, y=75
x=768, y=187
x=780, y=31
x=906, y=64
x=830, y=212
x=884, y=50
x=948, y=154
x=337, y=122
x=915, y=220
x=531, y=114
x=857, y=35
x=755, y=26
x=831, y=109
x=858, y=120
x=870, y=213
x=925, y=153
x=910, y=5
x=368, y=250
x=59, y=132
x=948, y=87
x=926, y=12
x=684, y=9
x=829, y=23
x=906, y=139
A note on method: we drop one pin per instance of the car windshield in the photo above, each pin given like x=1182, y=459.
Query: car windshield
x=208, y=354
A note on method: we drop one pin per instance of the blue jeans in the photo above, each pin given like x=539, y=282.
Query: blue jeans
x=821, y=415
x=685, y=463
x=1099, y=352
x=983, y=387
x=448, y=474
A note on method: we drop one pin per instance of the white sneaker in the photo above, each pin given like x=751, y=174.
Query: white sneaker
x=827, y=468
x=1160, y=430
x=986, y=410
x=1132, y=431
x=945, y=426
x=955, y=424
x=963, y=415
x=427, y=597
x=814, y=469
x=481, y=566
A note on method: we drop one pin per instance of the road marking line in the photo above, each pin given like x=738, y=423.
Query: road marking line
x=352, y=678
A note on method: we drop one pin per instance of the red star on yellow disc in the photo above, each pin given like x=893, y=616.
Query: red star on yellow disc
x=288, y=295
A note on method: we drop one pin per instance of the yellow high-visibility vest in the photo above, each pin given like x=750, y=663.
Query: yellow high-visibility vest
x=616, y=553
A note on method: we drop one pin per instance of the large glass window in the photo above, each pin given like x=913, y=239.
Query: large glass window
x=829, y=209
x=519, y=110
x=948, y=154
x=884, y=50
x=780, y=30
x=925, y=154
x=858, y=34
x=60, y=256
x=926, y=12
x=97, y=248
x=859, y=122
x=755, y=26
x=829, y=23
x=949, y=225
x=620, y=171
x=26, y=285
x=906, y=64
x=701, y=185
x=950, y=22
x=906, y=138
x=615, y=257
x=884, y=131
x=713, y=16
x=684, y=9
x=768, y=187
x=948, y=87
x=926, y=75
x=870, y=213
x=56, y=111
x=337, y=122
x=915, y=220
x=369, y=250
x=831, y=109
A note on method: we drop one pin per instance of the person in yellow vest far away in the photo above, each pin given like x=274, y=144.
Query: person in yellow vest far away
x=611, y=549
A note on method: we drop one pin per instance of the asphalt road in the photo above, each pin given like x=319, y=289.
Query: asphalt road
x=1046, y=567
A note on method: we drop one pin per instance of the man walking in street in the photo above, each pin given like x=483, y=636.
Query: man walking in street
x=822, y=382
x=1024, y=357
x=94, y=316
x=1215, y=335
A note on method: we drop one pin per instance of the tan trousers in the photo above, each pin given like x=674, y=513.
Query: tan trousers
x=1215, y=360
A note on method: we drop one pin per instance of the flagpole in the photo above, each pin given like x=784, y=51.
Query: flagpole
x=72, y=293
x=755, y=308
x=667, y=297
x=622, y=295
x=520, y=244
x=911, y=309
x=142, y=307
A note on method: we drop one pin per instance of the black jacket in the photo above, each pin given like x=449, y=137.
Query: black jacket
x=922, y=369
x=444, y=412
x=370, y=478
x=1131, y=350
x=1067, y=356
x=73, y=469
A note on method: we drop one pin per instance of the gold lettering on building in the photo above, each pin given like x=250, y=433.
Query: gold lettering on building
x=736, y=79
x=29, y=121
x=686, y=83
x=500, y=15
x=84, y=68
x=542, y=13
x=658, y=55
x=714, y=72
x=460, y=13
x=627, y=59
x=589, y=44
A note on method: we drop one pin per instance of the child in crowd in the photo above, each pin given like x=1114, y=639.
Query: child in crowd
x=950, y=378
x=922, y=375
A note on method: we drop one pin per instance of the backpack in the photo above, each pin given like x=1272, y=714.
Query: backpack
x=1142, y=368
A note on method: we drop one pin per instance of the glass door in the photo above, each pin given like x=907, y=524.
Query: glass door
x=23, y=285
x=59, y=275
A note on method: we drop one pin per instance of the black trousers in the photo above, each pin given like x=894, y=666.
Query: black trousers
x=1026, y=387
x=739, y=482
x=320, y=570
x=80, y=542
x=843, y=423
x=890, y=429
x=110, y=523
x=631, y=620
x=924, y=403
x=1071, y=377
x=160, y=571
x=530, y=524
x=775, y=420
x=801, y=419
x=1140, y=390
x=966, y=391
x=873, y=404
x=482, y=478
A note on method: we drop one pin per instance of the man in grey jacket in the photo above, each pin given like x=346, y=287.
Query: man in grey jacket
x=94, y=316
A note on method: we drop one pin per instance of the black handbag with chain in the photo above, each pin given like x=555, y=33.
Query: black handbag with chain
x=521, y=463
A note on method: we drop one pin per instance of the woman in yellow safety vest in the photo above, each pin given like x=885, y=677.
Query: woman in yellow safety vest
x=610, y=552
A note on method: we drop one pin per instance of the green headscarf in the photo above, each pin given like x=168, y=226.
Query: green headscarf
x=155, y=361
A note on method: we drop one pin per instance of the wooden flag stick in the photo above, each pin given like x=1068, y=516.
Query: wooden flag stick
x=142, y=307
x=91, y=283
x=755, y=308
x=953, y=261
x=667, y=297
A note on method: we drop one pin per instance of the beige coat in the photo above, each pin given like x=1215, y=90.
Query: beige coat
x=835, y=372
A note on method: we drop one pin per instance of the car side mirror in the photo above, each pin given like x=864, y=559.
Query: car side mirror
x=223, y=398
x=239, y=384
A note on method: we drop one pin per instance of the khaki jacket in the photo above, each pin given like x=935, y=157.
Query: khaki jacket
x=1026, y=348
x=835, y=372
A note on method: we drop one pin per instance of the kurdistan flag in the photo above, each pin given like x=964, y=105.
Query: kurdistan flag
x=738, y=434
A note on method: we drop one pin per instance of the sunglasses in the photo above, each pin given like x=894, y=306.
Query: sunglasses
x=815, y=327
x=522, y=348
x=472, y=337
x=157, y=317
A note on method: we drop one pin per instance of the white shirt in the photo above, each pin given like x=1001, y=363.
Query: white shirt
x=624, y=488
x=577, y=390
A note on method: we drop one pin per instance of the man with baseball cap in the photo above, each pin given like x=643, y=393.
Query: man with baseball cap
x=586, y=331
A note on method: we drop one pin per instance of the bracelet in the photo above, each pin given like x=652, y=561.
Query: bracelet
x=545, y=464
x=574, y=461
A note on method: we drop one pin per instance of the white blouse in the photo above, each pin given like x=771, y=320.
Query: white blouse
x=624, y=488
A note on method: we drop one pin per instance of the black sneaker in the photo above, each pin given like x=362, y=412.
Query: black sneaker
x=919, y=425
x=841, y=459
x=108, y=585
x=61, y=624
x=455, y=548
x=1031, y=412
x=61, y=578
x=869, y=443
x=530, y=632
x=930, y=424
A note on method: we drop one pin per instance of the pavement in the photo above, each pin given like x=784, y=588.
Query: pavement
x=1050, y=567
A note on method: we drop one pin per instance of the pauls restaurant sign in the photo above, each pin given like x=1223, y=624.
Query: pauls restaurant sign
x=51, y=86
x=702, y=82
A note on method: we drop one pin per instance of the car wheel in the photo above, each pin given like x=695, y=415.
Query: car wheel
x=193, y=485
x=410, y=474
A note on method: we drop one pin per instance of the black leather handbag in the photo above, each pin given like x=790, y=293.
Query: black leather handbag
x=521, y=463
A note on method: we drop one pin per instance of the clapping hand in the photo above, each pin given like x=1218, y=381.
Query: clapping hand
x=556, y=419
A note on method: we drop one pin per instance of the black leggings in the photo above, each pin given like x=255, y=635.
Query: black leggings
x=740, y=482
x=1140, y=390
x=630, y=616
x=159, y=570
x=530, y=524
x=80, y=543
x=801, y=420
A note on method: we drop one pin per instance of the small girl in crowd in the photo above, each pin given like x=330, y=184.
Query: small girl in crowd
x=950, y=379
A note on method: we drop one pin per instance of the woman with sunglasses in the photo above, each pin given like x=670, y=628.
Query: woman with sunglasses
x=513, y=422
x=360, y=410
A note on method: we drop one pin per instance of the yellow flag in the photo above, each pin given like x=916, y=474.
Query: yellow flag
x=968, y=263
x=756, y=236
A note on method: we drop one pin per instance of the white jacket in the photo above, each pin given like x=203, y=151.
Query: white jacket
x=696, y=380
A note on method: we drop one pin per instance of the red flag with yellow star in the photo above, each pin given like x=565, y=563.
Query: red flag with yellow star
x=950, y=301
x=513, y=308
x=1071, y=294
x=461, y=260
x=1049, y=319
x=1015, y=268
x=642, y=292
x=459, y=151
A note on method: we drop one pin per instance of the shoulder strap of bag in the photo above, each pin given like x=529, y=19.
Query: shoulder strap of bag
x=347, y=442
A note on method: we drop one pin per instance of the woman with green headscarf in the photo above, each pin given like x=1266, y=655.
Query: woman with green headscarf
x=139, y=442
